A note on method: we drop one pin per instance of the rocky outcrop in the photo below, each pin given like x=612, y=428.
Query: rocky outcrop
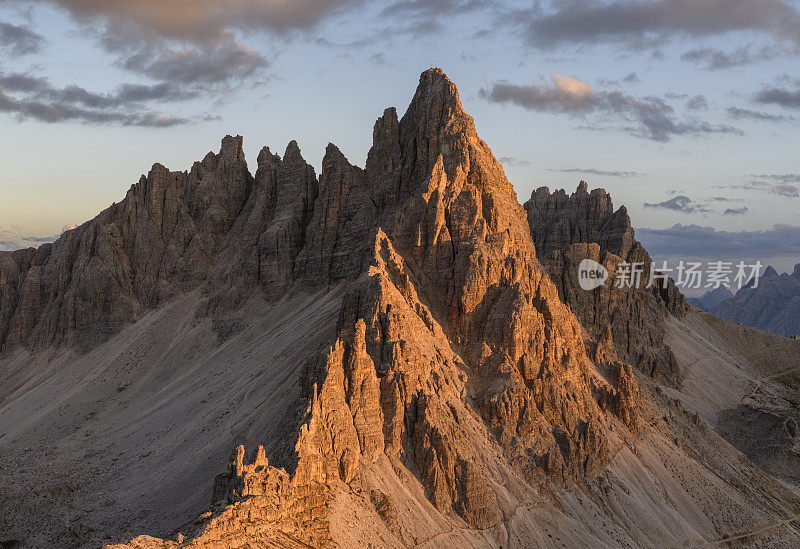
x=253, y=503
x=343, y=223
x=453, y=347
x=568, y=229
x=772, y=305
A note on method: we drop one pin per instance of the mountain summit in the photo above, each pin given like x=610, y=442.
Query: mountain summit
x=381, y=348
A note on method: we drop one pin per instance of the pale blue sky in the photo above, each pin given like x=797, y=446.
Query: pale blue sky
x=317, y=71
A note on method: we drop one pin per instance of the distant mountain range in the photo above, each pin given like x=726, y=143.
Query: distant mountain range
x=711, y=298
x=773, y=305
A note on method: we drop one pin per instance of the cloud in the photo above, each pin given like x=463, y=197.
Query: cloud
x=652, y=117
x=631, y=78
x=679, y=203
x=421, y=18
x=219, y=64
x=52, y=112
x=737, y=211
x=771, y=183
x=512, y=161
x=783, y=97
x=562, y=94
x=694, y=241
x=637, y=23
x=697, y=103
x=428, y=9
x=36, y=99
x=600, y=173
x=125, y=94
x=192, y=55
x=714, y=59
x=789, y=191
x=572, y=86
x=783, y=177
x=15, y=238
x=204, y=21
x=747, y=114
x=20, y=40
x=195, y=44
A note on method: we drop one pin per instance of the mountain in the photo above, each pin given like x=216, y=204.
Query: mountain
x=629, y=320
x=772, y=305
x=711, y=298
x=388, y=356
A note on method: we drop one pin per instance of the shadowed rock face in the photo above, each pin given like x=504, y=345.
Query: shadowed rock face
x=455, y=361
x=570, y=228
x=214, y=226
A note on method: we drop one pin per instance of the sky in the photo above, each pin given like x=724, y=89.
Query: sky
x=686, y=111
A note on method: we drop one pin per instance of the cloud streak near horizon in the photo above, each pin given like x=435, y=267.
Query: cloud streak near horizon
x=14, y=238
x=679, y=203
x=600, y=173
x=778, y=184
x=695, y=241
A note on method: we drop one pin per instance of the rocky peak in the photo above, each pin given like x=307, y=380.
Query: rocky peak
x=232, y=148
x=436, y=103
x=266, y=157
x=434, y=125
x=772, y=305
x=557, y=219
x=567, y=229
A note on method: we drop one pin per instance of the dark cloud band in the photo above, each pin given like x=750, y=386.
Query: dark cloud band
x=20, y=40
x=638, y=23
x=706, y=242
x=600, y=173
x=650, y=118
